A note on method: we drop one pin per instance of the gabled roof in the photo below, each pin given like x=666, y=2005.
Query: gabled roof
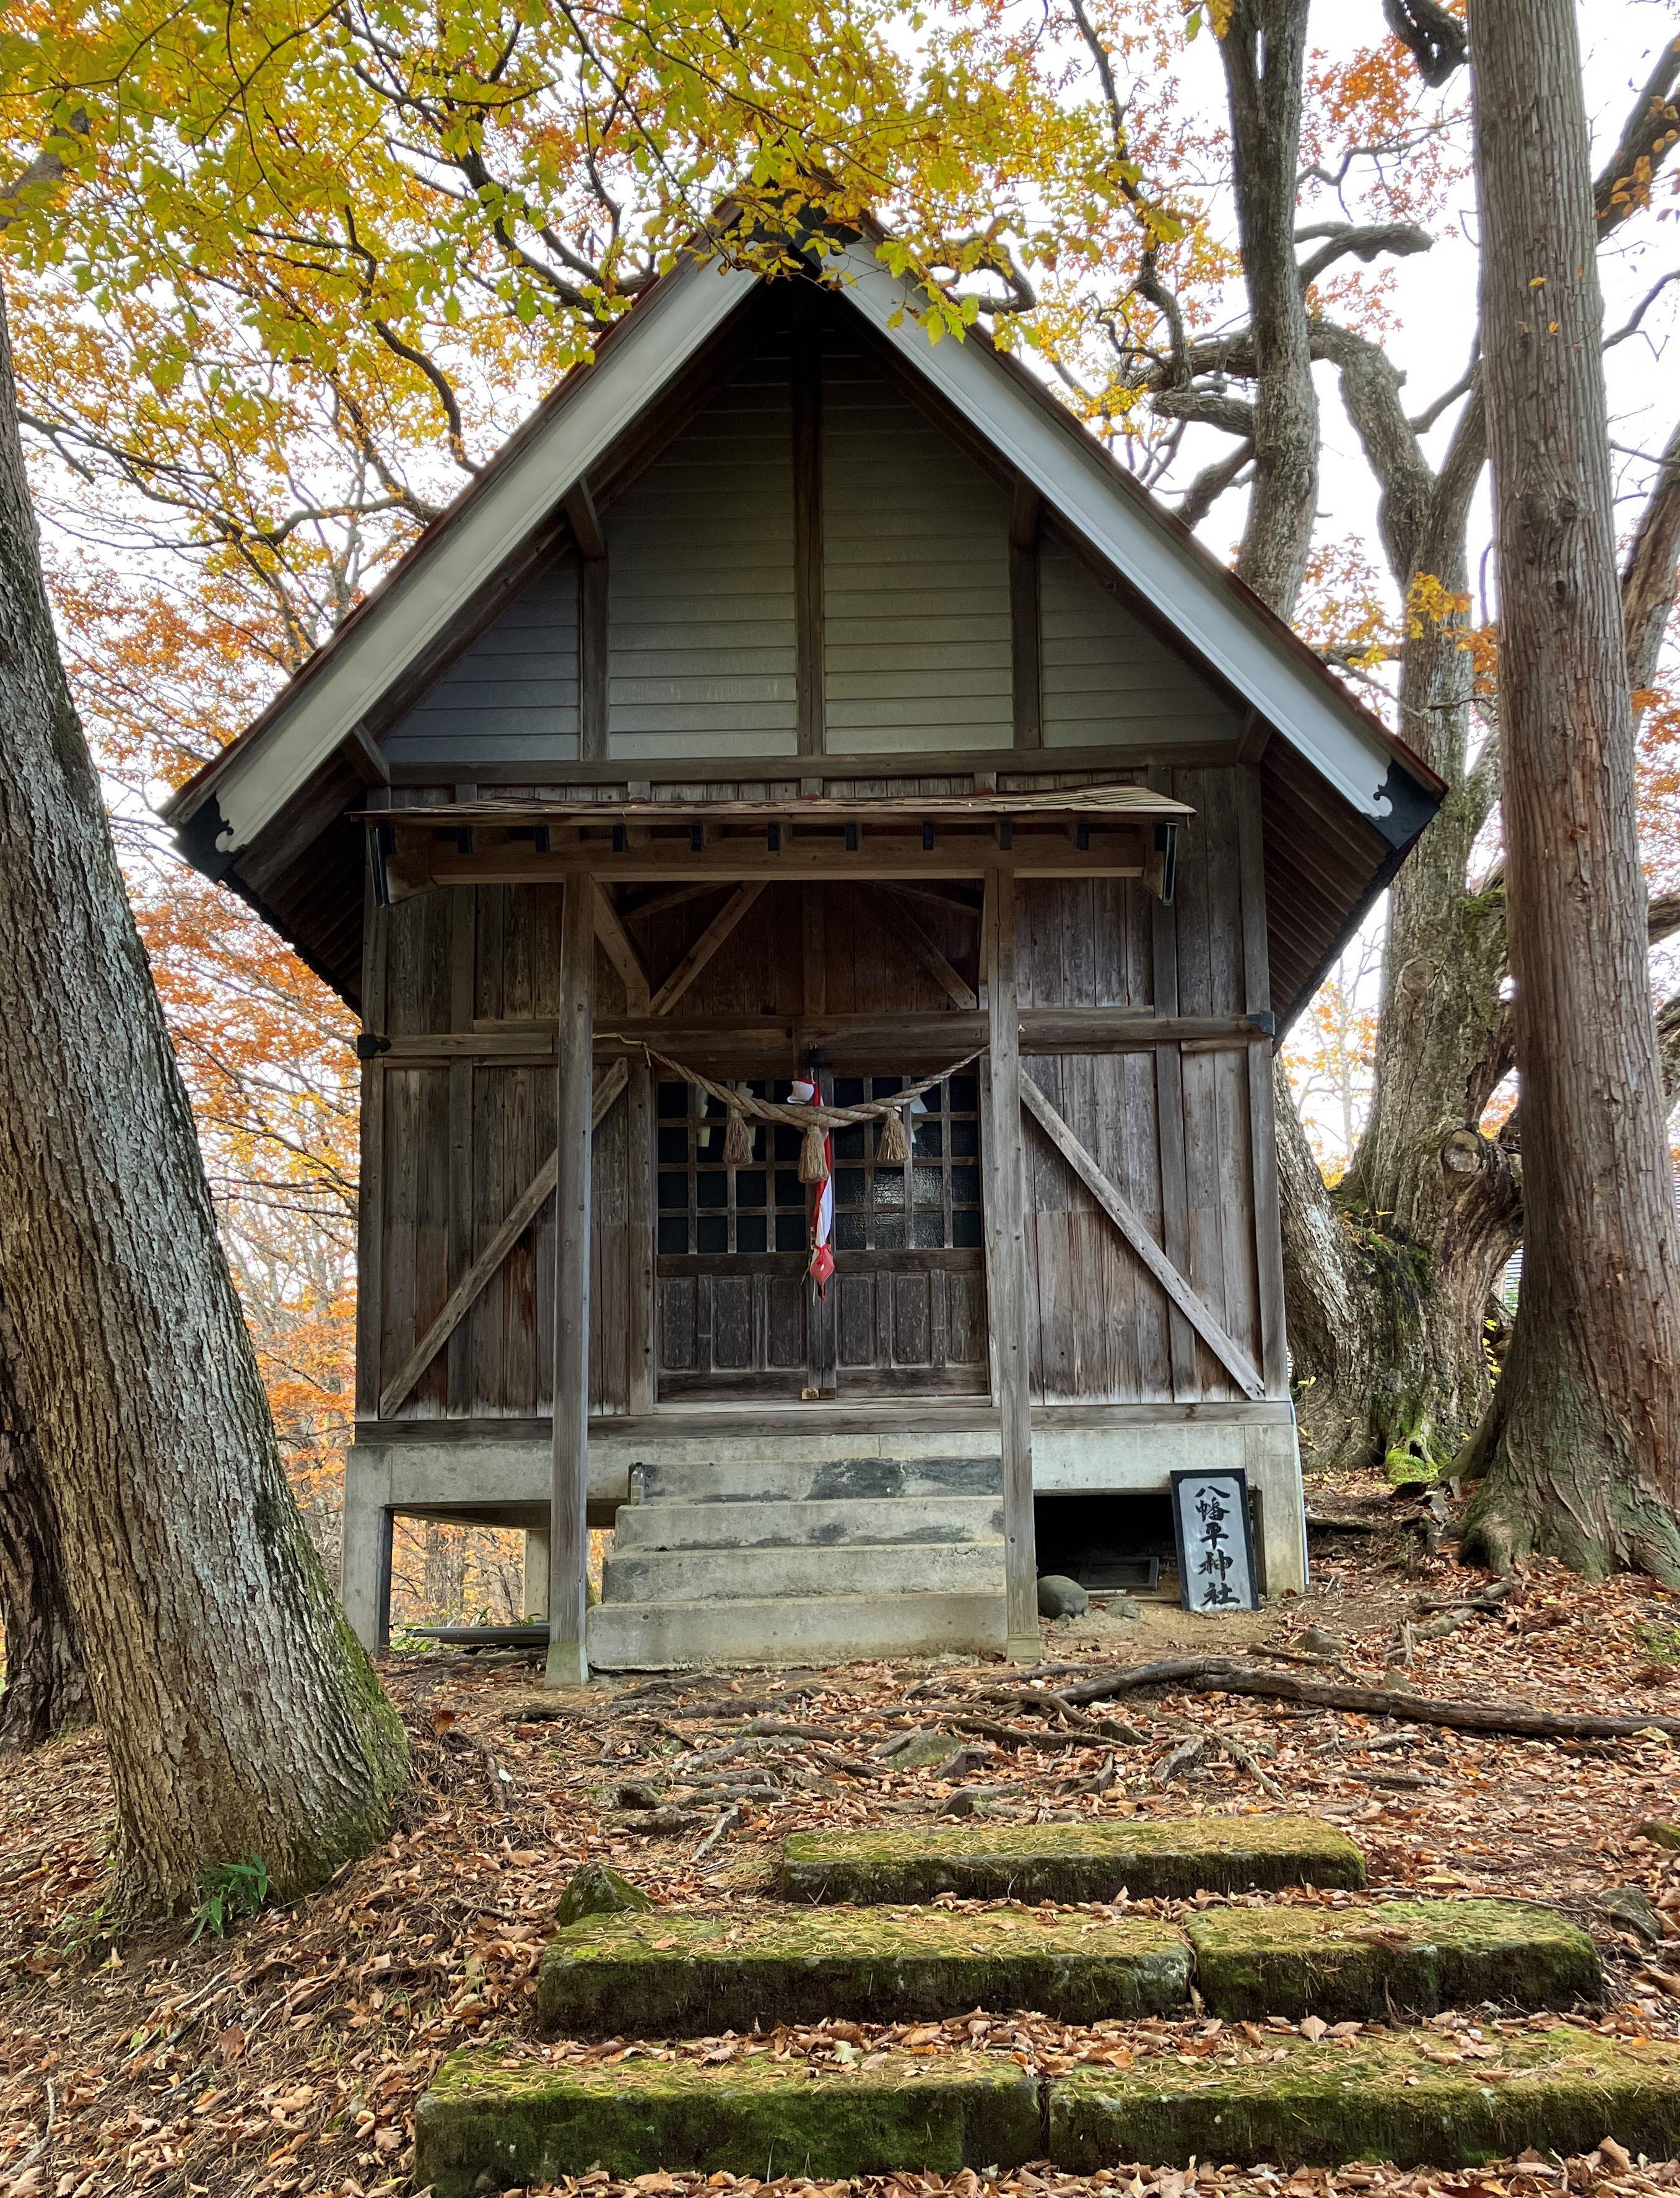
x=271, y=815
x=1222, y=621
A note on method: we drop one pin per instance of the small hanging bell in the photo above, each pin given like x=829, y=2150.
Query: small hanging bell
x=737, y=1141
x=894, y=1148
x=813, y=1162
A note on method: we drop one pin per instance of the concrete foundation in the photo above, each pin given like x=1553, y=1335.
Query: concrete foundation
x=881, y=1479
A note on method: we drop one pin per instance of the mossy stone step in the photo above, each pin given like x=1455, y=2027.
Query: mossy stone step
x=496, y=2119
x=519, y=2122
x=1070, y=1862
x=661, y=1975
x=1399, y=2099
x=1403, y=1956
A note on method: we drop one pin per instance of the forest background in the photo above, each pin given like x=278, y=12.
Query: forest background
x=233, y=434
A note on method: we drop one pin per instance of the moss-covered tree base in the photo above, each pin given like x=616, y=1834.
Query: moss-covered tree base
x=1411, y=2099
x=1414, y=1956
x=1070, y=1862
x=664, y=1975
x=493, y=2121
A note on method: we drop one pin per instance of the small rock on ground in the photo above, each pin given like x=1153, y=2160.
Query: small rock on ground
x=1061, y=1598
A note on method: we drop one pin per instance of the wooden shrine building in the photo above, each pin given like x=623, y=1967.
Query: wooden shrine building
x=795, y=697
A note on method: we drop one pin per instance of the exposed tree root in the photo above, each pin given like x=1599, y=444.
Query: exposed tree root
x=1217, y=1674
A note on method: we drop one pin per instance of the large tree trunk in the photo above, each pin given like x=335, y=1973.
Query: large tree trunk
x=1264, y=50
x=1582, y=1449
x=239, y=1715
x=46, y=1688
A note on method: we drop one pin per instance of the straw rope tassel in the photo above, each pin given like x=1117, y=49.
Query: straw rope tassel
x=813, y=1161
x=894, y=1148
x=737, y=1141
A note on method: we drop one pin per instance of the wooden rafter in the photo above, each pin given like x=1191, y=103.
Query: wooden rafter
x=1129, y=1222
x=466, y=1292
x=714, y=935
x=908, y=926
x=620, y=950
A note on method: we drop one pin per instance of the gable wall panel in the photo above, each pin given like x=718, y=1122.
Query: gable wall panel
x=1107, y=680
x=701, y=583
x=513, y=697
x=916, y=555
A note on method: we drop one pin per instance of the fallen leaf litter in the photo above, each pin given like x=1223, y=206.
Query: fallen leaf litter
x=286, y=2062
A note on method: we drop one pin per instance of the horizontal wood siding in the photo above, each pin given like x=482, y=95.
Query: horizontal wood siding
x=916, y=556
x=700, y=588
x=1107, y=680
x=513, y=697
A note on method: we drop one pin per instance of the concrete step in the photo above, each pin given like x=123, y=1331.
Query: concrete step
x=497, y=2118
x=1408, y=1956
x=819, y=1522
x=1412, y=2099
x=1169, y=1860
x=837, y=1629
x=846, y=1568
x=791, y=1478
x=660, y=1975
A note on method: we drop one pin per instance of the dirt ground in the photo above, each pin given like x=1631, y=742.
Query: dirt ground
x=288, y=2058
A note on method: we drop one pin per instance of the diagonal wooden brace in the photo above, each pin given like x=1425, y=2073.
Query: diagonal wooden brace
x=465, y=1295
x=1129, y=1222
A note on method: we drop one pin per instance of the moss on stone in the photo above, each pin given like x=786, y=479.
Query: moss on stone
x=688, y=1975
x=1070, y=1862
x=595, y=1890
x=519, y=2122
x=1397, y=2099
x=1413, y=1957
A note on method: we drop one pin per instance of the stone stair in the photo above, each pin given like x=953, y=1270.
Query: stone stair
x=507, y=2116
x=783, y=1560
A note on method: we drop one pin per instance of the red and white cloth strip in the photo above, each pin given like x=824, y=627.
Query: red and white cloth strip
x=823, y=1206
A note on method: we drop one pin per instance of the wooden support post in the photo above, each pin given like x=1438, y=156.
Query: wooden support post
x=822, y=1320
x=370, y=1216
x=641, y=1221
x=462, y=959
x=1006, y=1227
x=594, y=664
x=569, y=1536
x=536, y=1580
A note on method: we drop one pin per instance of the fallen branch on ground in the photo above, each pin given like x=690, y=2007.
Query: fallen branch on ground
x=1026, y=1698
x=1215, y=1675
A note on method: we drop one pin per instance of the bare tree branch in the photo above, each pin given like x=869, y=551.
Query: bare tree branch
x=1649, y=577
x=1208, y=407
x=1344, y=240
x=1436, y=41
x=1211, y=483
x=1622, y=185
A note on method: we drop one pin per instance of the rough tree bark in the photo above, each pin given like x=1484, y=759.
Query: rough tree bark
x=239, y=1715
x=1264, y=50
x=1390, y=1277
x=46, y=1688
x=1582, y=1447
